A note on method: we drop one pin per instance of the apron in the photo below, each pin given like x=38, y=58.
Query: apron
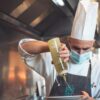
x=74, y=85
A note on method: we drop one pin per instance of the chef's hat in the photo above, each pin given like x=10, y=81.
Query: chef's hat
x=85, y=20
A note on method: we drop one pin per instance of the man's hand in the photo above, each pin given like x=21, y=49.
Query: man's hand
x=86, y=96
x=64, y=53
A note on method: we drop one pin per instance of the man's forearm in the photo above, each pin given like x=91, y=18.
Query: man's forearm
x=35, y=47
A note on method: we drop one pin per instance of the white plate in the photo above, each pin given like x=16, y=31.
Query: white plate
x=76, y=97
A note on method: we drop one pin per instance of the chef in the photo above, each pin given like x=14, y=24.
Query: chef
x=83, y=66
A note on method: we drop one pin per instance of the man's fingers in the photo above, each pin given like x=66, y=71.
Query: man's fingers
x=64, y=53
x=86, y=96
x=64, y=50
x=66, y=59
x=63, y=47
x=85, y=93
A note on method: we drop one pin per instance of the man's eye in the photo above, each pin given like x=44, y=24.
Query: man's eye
x=76, y=48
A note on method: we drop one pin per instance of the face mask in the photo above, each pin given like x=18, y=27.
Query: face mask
x=80, y=58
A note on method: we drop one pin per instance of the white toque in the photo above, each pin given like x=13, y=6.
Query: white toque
x=85, y=20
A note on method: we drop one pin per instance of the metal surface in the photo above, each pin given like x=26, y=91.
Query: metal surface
x=16, y=79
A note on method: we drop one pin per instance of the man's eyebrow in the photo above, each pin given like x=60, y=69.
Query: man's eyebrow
x=77, y=48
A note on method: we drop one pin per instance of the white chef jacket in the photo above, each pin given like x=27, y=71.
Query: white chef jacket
x=41, y=63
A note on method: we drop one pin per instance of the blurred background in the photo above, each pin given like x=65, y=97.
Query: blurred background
x=39, y=19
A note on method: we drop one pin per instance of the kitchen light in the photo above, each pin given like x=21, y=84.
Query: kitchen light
x=59, y=2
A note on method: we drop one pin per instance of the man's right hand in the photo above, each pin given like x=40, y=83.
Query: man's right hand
x=64, y=52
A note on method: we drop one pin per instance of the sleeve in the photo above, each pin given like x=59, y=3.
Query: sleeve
x=28, y=58
x=34, y=61
x=22, y=52
x=41, y=63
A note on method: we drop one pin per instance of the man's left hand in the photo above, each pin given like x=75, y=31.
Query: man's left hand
x=85, y=96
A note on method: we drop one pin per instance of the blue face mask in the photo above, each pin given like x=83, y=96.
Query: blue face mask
x=80, y=58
